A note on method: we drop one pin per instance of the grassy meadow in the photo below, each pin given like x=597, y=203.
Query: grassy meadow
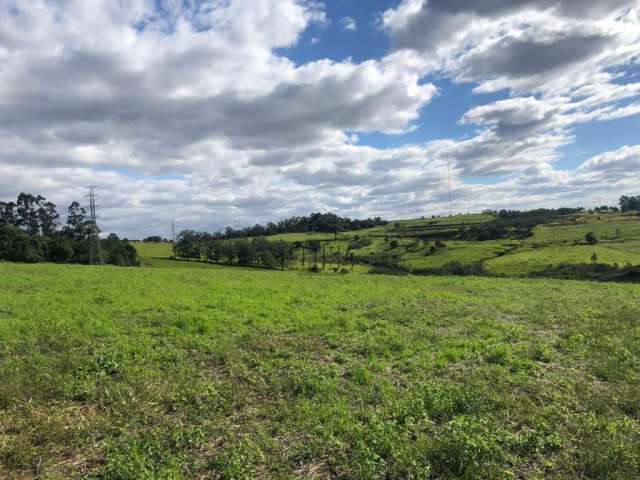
x=229, y=373
x=561, y=241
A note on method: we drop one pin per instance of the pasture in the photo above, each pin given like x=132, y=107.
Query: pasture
x=561, y=240
x=230, y=373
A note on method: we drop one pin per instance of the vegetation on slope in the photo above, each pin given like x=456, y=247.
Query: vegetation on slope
x=465, y=244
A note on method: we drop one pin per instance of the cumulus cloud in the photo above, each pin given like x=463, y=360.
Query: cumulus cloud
x=625, y=160
x=192, y=112
x=563, y=63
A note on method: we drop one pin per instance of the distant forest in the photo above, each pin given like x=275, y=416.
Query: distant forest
x=30, y=232
x=316, y=222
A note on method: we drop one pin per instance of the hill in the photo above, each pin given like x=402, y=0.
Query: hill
x=234, y=373
x=500, y=247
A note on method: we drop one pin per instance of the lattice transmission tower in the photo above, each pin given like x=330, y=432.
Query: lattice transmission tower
x=95, y=251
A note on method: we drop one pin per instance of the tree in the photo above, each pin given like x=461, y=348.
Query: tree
x=153, y=239
x=187, y=245
x=18, y=246
x=244, y=252
x=30, y=233
x=228, y=251
x=59, y=249
x=591, y=238
x=594, y=258
x=78, y=226
x=263, y=253
x=27, y=208
x=48, y=218
x=283, y=253
x=314, y=246
x=118, y=252
x=628, y=204
x=7, y=214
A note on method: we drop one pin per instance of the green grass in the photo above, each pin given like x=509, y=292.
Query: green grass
x=534, y=260
x=158, y=255
x=455, y=219
x=550, y=245
x=604, y=226
x=175, y=373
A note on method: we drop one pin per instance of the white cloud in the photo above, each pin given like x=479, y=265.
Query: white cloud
x=348, y=24
x=193, y=114
x=625, y=160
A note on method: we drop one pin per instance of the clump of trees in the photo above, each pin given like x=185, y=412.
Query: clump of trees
x=155, y=239
x=316, y=222
x=30, y=231
x=629, y=204
x=258, y=252
x=591, y=238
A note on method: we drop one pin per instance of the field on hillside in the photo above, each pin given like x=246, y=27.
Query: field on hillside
x=559, y=241
x=227, y=373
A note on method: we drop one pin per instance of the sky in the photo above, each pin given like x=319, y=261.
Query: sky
x=210, y=113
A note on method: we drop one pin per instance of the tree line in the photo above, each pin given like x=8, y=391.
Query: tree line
x=260, y=252
x=257, y=252
x=30, y=231
x=626, y=204
x=538, y=212
x=315, y=222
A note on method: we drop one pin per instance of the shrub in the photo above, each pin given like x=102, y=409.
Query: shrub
x=357, y=243
x=386, y=263
x=591, y=238
x=453, y=268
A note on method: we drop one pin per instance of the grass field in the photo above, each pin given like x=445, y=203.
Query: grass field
x=227, y=373
x=559, y=242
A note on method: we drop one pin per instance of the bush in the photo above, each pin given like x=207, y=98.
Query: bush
x=453, y=268
x=357, y=243
x=591, y=238
x=386, y=263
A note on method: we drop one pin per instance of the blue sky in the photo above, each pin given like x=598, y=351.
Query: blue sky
x=209, y=113
x=440, y=118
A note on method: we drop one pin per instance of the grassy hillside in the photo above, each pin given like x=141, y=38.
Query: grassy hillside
x=561, y=240
x=172, y=373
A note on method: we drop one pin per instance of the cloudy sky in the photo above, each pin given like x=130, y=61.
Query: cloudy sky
x=230, y=112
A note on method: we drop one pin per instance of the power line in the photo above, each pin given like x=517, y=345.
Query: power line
x=94, y=237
